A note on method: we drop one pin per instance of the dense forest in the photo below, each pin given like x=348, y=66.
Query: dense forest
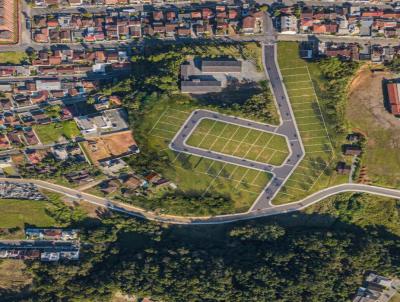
x=316, y=256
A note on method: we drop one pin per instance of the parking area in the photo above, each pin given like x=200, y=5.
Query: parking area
x=239, y=141
x=311, y=124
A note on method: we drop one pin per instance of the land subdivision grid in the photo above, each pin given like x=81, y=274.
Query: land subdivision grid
x=208, y=174
x=311, y=124
x=239, y=141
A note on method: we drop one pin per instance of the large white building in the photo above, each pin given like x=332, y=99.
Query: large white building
x=289, y=25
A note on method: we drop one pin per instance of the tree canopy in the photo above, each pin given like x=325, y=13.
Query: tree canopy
x=295, y=257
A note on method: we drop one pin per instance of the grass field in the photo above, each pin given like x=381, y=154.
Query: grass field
x=17, y=213
x=315, y=170
x=14, y=275
x=53, y=132
x=194, y=174
x=239, y=141
x=366, y=113
x=12, y=57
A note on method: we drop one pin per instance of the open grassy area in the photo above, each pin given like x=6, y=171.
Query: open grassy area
x=12, y=57
x=194, y=174
x=53, y=132
x=239, y=141
x=316, y=169
x=14, y=276
x=366, y=112
x=18, y=213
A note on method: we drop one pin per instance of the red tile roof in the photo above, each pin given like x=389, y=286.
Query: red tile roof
x=393, y=94
x=249, y=22
x=372, y=14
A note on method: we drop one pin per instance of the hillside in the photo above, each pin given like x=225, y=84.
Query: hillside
x=317, y=255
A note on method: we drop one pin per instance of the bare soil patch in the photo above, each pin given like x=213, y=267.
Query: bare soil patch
x=366, y=113
x=109, y=146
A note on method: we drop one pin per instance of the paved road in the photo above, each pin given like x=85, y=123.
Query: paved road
x=27, y=43
x=325, y=3
x=95, y=76
x=178, y=143
x=339, y=39
x=287, y=128
x=44, y=245
x=138, y=212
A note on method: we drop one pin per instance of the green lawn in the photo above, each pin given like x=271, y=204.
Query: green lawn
x=52, y=132
x=18, y=213
x=12, y=57
x=316, y=170
x=193, y=174
x=10, y=171
x=239, y=141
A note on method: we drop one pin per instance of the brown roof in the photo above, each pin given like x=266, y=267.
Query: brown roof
x=352, y=150
x=158, y=15
x=132, y=182
x=54, y=60
x=249, y=22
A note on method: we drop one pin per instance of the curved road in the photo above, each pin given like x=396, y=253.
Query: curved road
x=219, y=219
x=263, y=206
x=287, y=128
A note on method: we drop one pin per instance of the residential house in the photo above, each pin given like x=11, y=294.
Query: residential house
x=289, y=24
x=132, y=182
x=248, y=25
x=352, y=150
x=343, y=168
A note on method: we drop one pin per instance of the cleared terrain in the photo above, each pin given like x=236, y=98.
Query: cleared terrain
x=314, y=171
x=366, y=113
x=191, y=173
x=239, y=141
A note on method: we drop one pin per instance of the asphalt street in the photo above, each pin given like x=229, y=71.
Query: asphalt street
x=287, y=128
x=263, y=206
x=219, y=219
x=44, y=245
x=178, y=143
x=27, y=12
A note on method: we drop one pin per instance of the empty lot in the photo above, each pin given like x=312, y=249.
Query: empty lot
x=239, y=141
x=194, y=174
x=366, y=113
x=310, y=121
x=109, y=146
